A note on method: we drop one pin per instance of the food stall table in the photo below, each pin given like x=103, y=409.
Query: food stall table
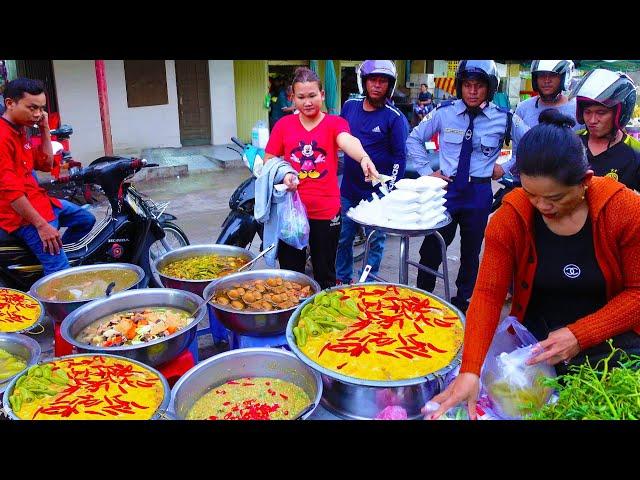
x=405, y=235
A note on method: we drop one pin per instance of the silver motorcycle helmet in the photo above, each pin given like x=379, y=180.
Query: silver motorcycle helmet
x=377, y=67
x=610, y=89
x=487, y=70
x=564, y=68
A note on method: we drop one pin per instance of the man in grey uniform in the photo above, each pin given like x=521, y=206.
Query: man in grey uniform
x=472, y=131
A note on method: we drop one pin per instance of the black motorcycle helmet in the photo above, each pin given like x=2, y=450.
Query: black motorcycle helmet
x=562, y=67
x=610, y=89
x=482, y=69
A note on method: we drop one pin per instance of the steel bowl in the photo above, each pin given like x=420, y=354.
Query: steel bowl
x=58, y=310
x=195, y=286
x=257, y=324
x=246, y=362
x=21, y=346
x=155, y=352
x=350, y=397
x=38, y=320
x=160, y=413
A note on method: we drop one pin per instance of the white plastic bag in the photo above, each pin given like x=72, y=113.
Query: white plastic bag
x=514, y=387
x=294, y=226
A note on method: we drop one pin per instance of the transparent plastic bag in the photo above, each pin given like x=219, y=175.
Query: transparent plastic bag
x=513, y=387
x=294, y=226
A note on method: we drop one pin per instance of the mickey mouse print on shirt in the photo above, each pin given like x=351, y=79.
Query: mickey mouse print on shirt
x=309, y=156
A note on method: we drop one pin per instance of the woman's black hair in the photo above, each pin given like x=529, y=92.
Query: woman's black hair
x=304, y=75
x=552, y=149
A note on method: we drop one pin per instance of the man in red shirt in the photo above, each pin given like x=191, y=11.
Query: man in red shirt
x=26, y=211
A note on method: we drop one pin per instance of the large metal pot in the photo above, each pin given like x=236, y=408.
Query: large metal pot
x=38, y=321
x=246, y=362
x=257, y=324
x=160, y=413
x=21, y=346
x=195, y=286
x=58, y=309
x=350, y=397
x=152, y=353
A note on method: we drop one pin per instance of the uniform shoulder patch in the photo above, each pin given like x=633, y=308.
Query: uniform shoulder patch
x=446, y=103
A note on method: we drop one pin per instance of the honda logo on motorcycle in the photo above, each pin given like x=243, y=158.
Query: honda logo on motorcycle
x=116, y=250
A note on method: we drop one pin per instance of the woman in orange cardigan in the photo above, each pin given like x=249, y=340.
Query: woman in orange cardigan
x=572, y=243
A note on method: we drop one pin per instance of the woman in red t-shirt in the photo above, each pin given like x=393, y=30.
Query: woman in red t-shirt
x=309, y=141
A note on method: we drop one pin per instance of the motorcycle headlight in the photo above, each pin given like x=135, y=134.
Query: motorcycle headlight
x=132, y=202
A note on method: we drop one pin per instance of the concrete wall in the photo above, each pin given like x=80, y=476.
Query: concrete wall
x=132, y=129
x=223, y=101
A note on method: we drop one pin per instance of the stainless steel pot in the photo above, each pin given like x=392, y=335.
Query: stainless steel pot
x=58, y=310
x=160, y=413
x=152, y=353
x=21, y=346
x=195, y=286
x=255, y=324
x=246, y=362
x=38, y=321
x=350, y=397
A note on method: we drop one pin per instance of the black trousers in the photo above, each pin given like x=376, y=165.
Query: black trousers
x=323, y=243
x=470, y=209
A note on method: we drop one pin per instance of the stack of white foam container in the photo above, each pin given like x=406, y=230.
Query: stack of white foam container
x=416, y=204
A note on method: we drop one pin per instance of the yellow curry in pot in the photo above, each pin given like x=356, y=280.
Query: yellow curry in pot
x=379, y=332
x=92, y=387
x=18, y=310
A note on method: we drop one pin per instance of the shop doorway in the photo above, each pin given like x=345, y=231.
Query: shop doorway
x=40, y=70
x=348, y=84
x=280, y=77
x=194, y=107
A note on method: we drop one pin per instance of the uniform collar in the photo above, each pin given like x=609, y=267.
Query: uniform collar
x=490, y=111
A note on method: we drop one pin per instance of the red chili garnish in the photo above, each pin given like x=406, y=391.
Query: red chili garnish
x=435, y=349
x=323, y=348
x=382, y=352
x=442, y=323
x=339, y=367
x=284, y=396
x=137, y=405
x=404, y=354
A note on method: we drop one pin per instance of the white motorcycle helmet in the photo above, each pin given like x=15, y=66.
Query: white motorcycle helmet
x=614, y=90
x=564, y=68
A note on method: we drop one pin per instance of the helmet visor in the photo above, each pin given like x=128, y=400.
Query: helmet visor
x=602, y=86
x=488, y=67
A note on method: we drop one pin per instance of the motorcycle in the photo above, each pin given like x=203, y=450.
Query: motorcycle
x=127, y=233
x=508, y=182
x=240, y=227
x=79, y=194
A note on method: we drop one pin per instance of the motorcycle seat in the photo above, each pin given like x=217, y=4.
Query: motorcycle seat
x=7, y=238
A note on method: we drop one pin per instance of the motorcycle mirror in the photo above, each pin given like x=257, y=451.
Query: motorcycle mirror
x=57, y=147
